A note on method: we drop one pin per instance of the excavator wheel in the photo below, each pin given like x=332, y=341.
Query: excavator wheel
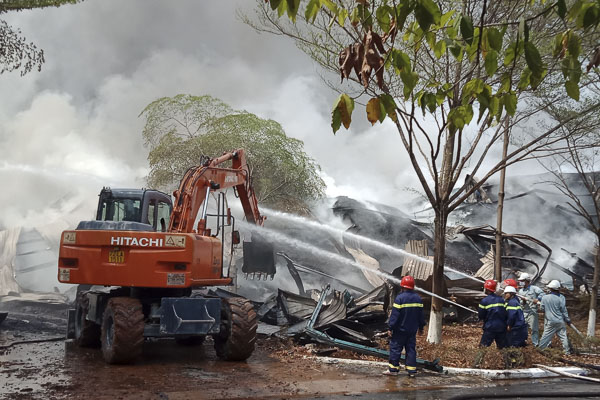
x=190, y=340
x=122, y=330
x=87, y=333
x=236, y=340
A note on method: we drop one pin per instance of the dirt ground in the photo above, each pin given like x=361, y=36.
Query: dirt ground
x=277, y=369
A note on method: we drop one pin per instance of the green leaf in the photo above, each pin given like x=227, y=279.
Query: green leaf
x=402, y=11
x=510, y=103
x=366, y=18
x=510, y=54
x=484, y=98
x=574, y=10
x=466, y=29
x=574, y=44
x=494, y=39
x=460, y=116
x=274, y=4
x=591, y=16
x=428, y=100
x=525, y=79
x=472, y=89
x=342, y=112
x=312, y=9
x=354, y=19
x=572, y=90
x=495, y=106
x=505, y=83
x=524, y=29
x=457, y=52
x=410, y=80
x=383, y=17
x=561, y=8
x=401, y=61
x=336, y=120
x=439, y=49
x=446, y=17
x=330, y=5
x=427, y=13
x=390, y=106
x=292, y=9
x=282, y=8
x=491, y=62
x=534, y=60
x=342, y=15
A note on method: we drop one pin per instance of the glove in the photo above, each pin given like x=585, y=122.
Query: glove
x=568, y=321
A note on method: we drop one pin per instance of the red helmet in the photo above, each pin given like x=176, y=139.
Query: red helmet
x=510, y=282
x=490, y=284
x=407, y=282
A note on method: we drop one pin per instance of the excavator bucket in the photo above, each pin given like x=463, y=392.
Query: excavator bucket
x=259, y=260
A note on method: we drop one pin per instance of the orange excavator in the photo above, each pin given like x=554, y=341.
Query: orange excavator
x=137, y=263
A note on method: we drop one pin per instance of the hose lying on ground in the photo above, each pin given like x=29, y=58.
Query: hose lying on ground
x=54, y=339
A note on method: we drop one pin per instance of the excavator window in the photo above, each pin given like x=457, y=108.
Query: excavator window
x=163, y=216
x=151, y=211
x=114, y=209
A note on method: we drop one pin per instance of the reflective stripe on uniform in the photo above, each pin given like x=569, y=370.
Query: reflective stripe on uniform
x=408, y=305
x=513, y=307
x=392, y=366
x=411, y=368
x=489, y=305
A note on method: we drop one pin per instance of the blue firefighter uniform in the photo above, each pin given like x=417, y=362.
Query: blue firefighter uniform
x=493, y=313
x=517, y=335
x=406, y=319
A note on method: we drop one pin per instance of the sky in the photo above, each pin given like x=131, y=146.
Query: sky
x=74, y=127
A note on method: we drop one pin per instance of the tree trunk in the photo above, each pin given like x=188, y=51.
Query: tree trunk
x=591, y=328
x=498, y=256
x=434, y=332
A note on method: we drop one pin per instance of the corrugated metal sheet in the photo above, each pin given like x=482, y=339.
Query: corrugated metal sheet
x=419, y=270
x=487, y=269
x=370, y=263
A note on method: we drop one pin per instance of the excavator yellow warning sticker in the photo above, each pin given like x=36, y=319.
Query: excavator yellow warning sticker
x=175, y=241
x=64, y=274
x=69, y=237
x=175, y=279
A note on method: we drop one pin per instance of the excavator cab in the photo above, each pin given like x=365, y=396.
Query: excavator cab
x=131, y=209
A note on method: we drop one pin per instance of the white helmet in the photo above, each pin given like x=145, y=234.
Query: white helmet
x=510, y=289
x=524, y=277
x=553, y=285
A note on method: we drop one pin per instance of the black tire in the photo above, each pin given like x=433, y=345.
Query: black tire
x=236, y=340
x=122, y=330
x=87, y=333
x=190, y=340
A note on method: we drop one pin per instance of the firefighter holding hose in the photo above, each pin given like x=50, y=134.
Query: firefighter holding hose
x=556, y=317
x=532, y=295
x=493, y=313
x=406, y=319
x=515, y=324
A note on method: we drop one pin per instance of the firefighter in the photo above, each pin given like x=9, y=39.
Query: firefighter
x=555, y=317
x=493, y=313
x=515, y=323
x=510, y=282
x=530, y=303
x=406, y=319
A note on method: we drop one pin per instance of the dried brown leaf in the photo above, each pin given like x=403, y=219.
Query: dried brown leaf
x=345, y=62
x=595, y=61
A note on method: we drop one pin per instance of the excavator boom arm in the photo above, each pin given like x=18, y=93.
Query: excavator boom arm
x=197, y=183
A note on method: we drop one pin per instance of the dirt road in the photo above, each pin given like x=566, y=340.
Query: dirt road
x=61, y=370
